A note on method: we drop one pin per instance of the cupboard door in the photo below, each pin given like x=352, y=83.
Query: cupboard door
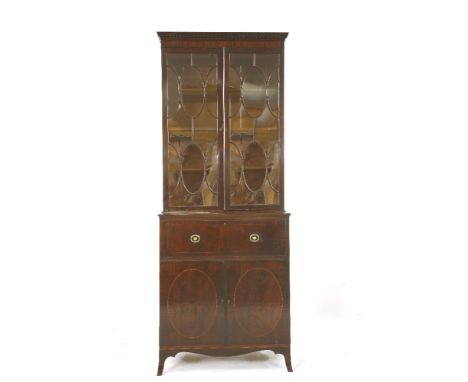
x=258, y=302
x=191, y=303
x=255, y=124
x=192, y=117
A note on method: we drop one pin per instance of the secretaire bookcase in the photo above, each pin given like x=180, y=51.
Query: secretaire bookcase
x=224, y=234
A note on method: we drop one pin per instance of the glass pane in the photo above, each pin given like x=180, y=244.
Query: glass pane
x=193, y=168
x=254, y=120
x=192, y=91
x=191, y=95
x=254, y=166
x=253, y=92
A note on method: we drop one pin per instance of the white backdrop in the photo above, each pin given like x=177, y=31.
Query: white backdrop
x=376, y=181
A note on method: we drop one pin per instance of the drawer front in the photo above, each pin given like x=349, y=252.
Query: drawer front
x=268, y=237
x=192, y=238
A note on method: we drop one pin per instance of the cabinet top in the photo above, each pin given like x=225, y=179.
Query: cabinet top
x=223, y=35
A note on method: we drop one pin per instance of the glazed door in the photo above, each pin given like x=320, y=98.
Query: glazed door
x=196, y=175
x=191, y=303
x=254, y=137
x=258, y=302
x=192, y=120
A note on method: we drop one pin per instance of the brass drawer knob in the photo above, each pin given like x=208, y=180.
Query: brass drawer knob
x=254, y=237
x=195, y=238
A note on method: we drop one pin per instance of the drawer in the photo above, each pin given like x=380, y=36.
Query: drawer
x=267, y=237
x=192, y=237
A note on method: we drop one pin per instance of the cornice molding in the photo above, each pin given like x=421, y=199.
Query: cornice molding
x=223, y=35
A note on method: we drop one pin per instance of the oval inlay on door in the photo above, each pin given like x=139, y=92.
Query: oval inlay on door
x=192, y=303
x=258, y=302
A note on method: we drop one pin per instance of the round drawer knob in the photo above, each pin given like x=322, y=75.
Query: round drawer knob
x=195, y=238
x=254, y=237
